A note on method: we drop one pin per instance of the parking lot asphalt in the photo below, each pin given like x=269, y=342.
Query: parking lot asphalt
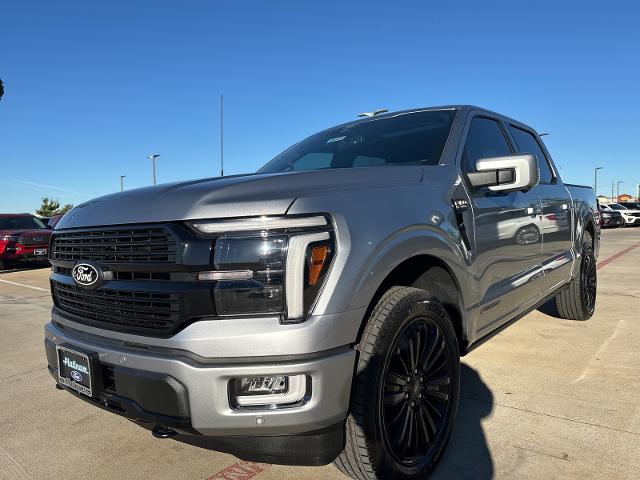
x=545, y=399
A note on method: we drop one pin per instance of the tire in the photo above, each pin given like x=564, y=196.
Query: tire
x=527, y=235
x=400, y=421
x=578, y=300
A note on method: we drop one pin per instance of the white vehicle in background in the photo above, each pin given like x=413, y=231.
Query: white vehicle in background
x=630, y=216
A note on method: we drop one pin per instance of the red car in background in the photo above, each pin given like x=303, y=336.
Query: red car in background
x=23, y=238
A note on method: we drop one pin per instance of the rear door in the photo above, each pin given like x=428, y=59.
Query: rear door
x=507, y=238
x=556, y=218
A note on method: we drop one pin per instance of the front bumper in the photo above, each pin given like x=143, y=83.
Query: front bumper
x=631, y=220
x=613, y=222
x=204, y=387
x=21, y=253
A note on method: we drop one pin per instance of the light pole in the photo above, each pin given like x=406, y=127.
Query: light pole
x=122, y=182
x=595, y=180
x=618, y=190
x=153, y=157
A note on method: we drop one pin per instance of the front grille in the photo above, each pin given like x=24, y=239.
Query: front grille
x=123, y=310
x=122, y=245
x=34, y=238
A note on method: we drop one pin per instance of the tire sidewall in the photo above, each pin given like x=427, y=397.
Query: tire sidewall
x=419, y=304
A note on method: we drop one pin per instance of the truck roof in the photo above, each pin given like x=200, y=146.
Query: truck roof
x=461, y=108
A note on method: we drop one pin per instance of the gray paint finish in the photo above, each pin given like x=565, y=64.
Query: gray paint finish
x=382, y=217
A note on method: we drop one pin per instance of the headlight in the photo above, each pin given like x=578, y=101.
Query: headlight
x=267, y=265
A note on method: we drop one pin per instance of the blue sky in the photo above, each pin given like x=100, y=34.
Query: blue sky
x=91, y=88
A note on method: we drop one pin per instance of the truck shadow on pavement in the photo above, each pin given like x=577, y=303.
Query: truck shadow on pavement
x=467, y=456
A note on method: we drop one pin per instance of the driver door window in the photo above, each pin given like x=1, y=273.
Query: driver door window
x=485, y=139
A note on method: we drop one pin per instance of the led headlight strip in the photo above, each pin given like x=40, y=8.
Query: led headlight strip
x=257, y=223
x=295, y=269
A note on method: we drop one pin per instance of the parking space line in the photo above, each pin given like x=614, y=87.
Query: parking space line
x=615, y=256
x=240, y=471
x=23, y=285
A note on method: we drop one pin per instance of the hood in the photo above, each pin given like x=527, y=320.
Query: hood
x=27, y=233
x=235, y=196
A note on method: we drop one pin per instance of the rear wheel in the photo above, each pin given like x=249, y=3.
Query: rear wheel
x=405, y=394
x=578, y=301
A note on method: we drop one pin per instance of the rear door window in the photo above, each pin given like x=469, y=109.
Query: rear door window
x=527, y=143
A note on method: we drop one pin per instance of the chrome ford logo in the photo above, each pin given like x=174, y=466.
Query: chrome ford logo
x=85, y=274
x=76, y=376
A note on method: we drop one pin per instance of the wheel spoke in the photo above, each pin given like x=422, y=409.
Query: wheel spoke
x=405, y=425
x=428, y=352
x=439, y=396
x=425, y=413
x=438, y=381
x=393, y=398
x=430, y=406
x=423, y=425
x=412, y=361
x=398, y=414
x=435, y=357
x=395, y=379
x=402, y=362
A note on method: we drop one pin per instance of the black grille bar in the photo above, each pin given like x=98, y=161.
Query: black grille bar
x=131, y=311
x=122, y=245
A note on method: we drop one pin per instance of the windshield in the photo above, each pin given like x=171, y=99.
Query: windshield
x=404, y=139
x=617, y=206
x=20, y=223
x=632, y=206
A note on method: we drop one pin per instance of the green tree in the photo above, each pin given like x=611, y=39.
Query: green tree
x=63, y=210
x=48, y=207
x=51, y=207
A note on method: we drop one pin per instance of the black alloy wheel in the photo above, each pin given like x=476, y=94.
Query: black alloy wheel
x=406, y=389
x=416, y=391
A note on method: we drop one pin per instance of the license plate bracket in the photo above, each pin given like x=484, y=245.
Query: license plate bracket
x=40, y=252
x=78, y=369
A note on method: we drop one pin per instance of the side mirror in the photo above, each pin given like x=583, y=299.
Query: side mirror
x=513, y=172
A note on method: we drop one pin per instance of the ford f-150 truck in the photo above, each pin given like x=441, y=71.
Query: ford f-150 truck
x=316, y=311
x=23, y=238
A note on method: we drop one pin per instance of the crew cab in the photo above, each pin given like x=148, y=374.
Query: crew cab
x=23, y=239
x=316, y=311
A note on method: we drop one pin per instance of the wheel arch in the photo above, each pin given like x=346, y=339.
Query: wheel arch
x=430, y=273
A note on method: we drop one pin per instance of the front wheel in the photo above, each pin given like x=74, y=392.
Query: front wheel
x=405, y=394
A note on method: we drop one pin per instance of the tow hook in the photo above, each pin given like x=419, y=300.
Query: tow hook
x=160, y=431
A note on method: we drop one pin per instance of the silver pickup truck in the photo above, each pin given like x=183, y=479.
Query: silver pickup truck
x=316, y=311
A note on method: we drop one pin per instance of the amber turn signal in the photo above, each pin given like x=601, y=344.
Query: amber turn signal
x=319, y=255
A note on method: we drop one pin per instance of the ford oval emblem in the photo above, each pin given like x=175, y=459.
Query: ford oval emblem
x=85, y=274
x=76, y=376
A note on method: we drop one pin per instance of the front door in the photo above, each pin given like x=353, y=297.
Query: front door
x=507, y=233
